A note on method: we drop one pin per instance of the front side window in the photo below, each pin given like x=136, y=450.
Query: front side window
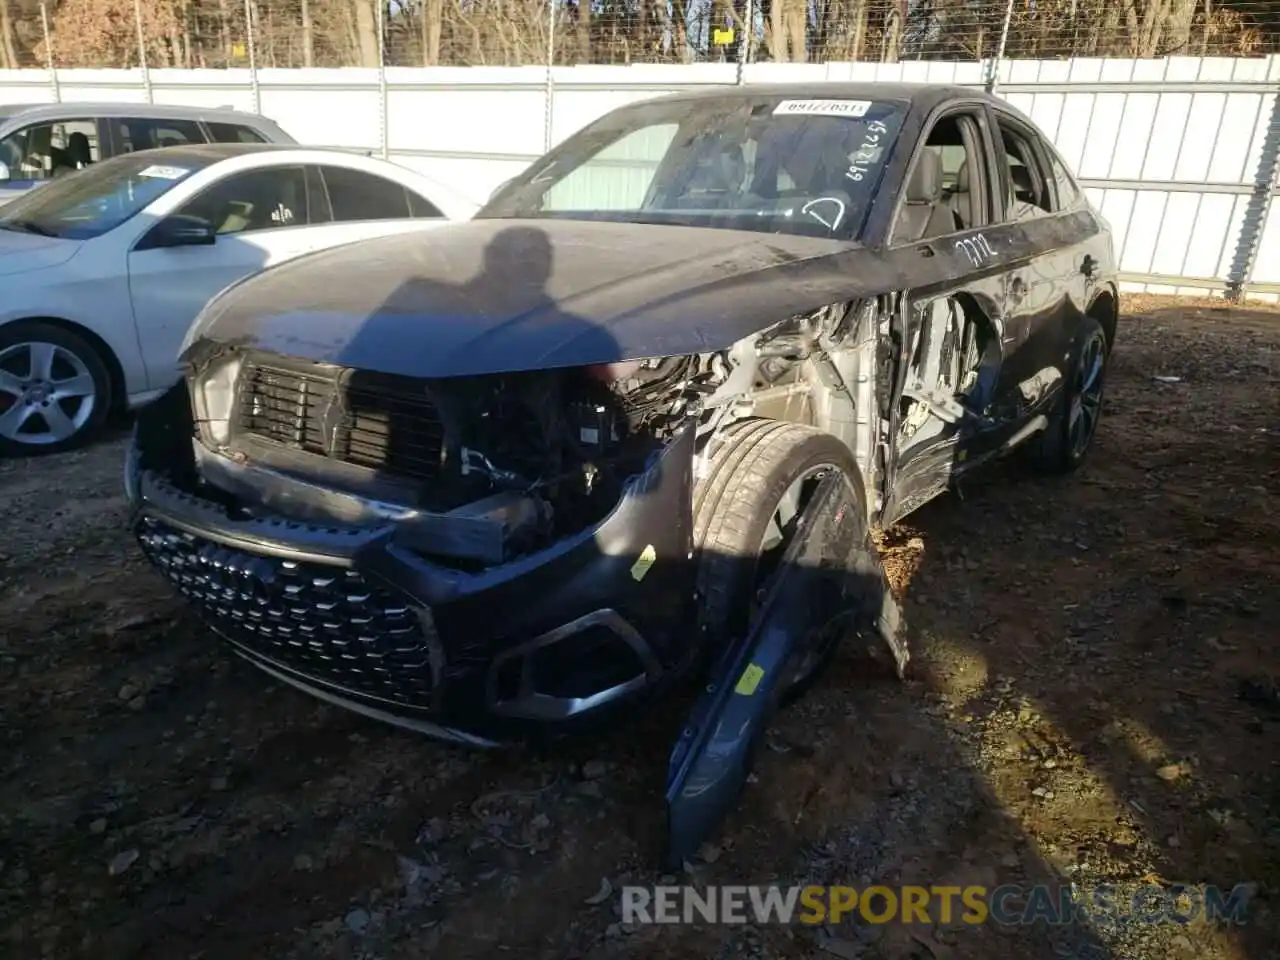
x=771, y=164
x=940, y=196
x=267, y=199
x=95, y=201
x=150, y=133
x=45, y=151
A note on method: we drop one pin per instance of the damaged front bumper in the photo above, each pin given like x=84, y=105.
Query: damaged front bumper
x=351, y=614
x=348, y=613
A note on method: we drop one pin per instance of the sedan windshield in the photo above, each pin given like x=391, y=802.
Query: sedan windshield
x=89, y=203
x=772, y=164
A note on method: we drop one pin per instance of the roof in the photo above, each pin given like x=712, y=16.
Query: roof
x=54, y=111
x=863, y=90
x=208, y=153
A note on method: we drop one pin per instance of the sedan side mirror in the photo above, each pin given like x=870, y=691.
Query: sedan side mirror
x=5, y=175
x=182, y=230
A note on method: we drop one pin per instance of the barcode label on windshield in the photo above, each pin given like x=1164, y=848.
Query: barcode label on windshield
x=823, y=108
x=160, y=172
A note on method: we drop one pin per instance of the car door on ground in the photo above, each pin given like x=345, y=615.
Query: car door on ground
x=42, y=151
x=262, y=218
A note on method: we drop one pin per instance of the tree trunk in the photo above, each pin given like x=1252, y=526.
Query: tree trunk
x=8, y=49
x=308, y=36
x=859, y=29
x=367, y=32
x=777, y=32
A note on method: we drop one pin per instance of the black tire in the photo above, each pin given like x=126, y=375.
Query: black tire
x=1058, y=449
x=756, y=464
x=39, y=332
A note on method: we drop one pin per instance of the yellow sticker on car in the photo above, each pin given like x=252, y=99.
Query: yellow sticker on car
x=749, y=680
x=643, y=562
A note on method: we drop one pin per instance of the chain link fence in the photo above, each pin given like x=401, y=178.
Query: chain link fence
x=415, y=33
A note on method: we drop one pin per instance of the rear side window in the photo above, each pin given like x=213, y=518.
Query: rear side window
x=234, y=133
x=1068, y=189
x=420, y=208
x=356, y=195
x=148, y=133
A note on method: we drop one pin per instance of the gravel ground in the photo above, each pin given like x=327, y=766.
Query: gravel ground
x=1094, y=699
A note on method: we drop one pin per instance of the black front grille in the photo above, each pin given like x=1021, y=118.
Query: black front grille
x=326, y=623
x=384, y=423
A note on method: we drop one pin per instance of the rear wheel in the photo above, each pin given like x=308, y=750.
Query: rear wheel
x=1065, y=443
x=746, y=511
x=54, y=389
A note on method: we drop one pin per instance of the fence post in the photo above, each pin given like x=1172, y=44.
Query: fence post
x=383, y=111
x=748, y=38
x=550, y=83
x=1258, y=207
x=993, y=71
x=48, y=52
x=142, y=51
x=253, y=56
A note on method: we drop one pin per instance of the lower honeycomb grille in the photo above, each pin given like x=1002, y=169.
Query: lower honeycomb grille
x=325, y=623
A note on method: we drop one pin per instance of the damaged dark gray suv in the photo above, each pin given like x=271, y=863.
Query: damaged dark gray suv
x=634, y=422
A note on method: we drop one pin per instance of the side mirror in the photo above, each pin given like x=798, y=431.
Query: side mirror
x=5, y=175
x=182, y=230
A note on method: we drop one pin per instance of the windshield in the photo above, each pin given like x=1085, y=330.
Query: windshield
x=772, y=164
x=88, y=203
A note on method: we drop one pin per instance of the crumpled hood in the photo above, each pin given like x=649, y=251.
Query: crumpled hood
x=490, y=296
x=21, y=252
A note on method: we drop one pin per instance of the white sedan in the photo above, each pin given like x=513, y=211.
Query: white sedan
x=103, y=271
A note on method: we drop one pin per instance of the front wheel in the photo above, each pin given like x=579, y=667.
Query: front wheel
x=1065, y=443
x=746, y=511
x=54, y=389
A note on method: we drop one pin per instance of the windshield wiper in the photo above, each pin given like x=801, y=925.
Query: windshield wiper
x=27, y=226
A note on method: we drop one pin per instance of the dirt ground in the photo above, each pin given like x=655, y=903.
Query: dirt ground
x=1094, y=699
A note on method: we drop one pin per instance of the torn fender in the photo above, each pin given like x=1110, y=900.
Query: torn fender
x=825, y=580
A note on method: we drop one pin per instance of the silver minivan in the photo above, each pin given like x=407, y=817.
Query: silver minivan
x=39, y=142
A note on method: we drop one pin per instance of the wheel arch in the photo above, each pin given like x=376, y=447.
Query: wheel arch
x=108, y=356
x=1105, y=308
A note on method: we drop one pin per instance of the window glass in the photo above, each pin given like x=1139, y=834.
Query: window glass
x=616, y=178
x=257, y=200
x=47, y=150
x=356, y=195
x=1029, y=186
x=1068, y=189
x=420, y=208
x=149, y=133
x=234, y=133
x=95, y=201
x=768, y=163
x=938, y=199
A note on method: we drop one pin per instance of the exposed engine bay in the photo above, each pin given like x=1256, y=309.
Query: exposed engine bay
x=485, y=469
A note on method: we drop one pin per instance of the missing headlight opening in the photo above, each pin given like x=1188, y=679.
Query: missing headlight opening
x=490, y=468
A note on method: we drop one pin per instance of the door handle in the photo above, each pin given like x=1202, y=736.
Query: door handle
x=1088, y=266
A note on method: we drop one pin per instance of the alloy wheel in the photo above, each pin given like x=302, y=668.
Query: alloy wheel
x=47, y=393
x=1086, y=396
